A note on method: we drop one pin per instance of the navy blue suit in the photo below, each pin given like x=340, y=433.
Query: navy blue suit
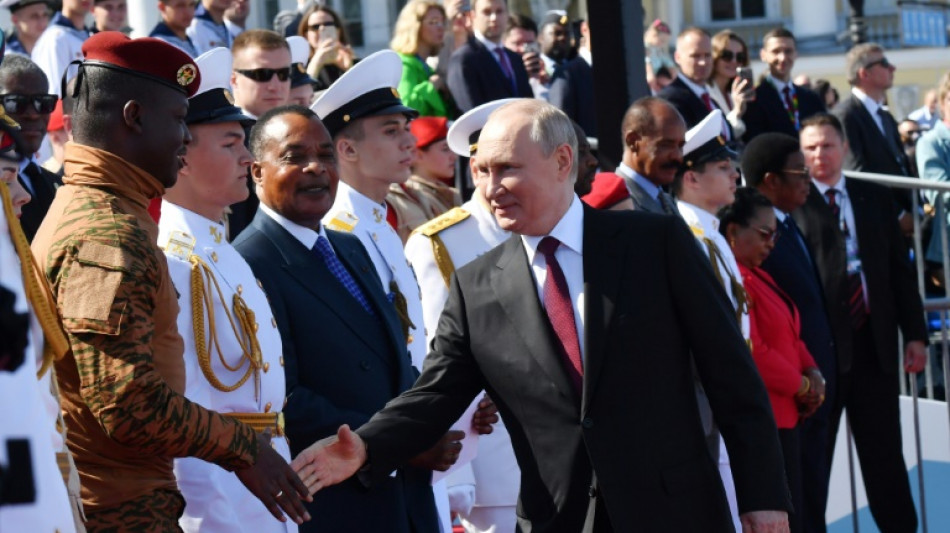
x=475, y=77
x=342, y=365
x=791, y=266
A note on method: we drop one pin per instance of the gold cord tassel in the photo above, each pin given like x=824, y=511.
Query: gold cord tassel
x=402, y=308
x=738, y=291
x=37, y=289
x=245, y=331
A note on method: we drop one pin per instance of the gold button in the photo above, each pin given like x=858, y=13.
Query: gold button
x=273, y=322
x=409, y=339
x=267, y=407
x=259, y=284
x=240, y=289
x=266, y=367
x=214, y=256
x=282, y=360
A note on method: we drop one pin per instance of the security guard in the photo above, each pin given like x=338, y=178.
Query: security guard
x=233, y=354
x=705, y=183
x=489, y=485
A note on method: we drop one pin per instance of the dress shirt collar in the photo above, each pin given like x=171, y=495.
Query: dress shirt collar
x=869, y=103
x=176, y=216
x=363, y=205
x=839, y=186
x=642, y=181
x=26, y=161
x=569, y=230
x=488, y=44
x=781, y=85
x=698, y=90
x=779, y=215
x=694, y=214
x=305, y=235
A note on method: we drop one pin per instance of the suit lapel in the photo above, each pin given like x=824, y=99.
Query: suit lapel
x=862, y=223
x=516, y=291
x=603, y=269
x=499, y=74
x=312, y=273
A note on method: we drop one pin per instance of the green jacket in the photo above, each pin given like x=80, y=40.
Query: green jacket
x=417, y=91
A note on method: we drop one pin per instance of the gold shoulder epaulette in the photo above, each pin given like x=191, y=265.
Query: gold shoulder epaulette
x=180, y=245
x=445, y=220
x=343, y=221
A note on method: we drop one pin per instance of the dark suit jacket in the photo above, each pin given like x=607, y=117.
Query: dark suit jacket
x=34, y=211
x=572, y=91
x=475, y=77
x=868, y=149
x=794, y=270
x=891, y=282
x=768, y=113
x=636, y=428
x=342, y=365
x=686, y=102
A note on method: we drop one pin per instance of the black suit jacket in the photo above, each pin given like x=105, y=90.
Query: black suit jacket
x=342, y=365
x=768, y=113
x=475, y=77
x=690, y=106
x=868, y=148
x=636, y=428
x=572, y=91
x=44, y=189
x=890, y=279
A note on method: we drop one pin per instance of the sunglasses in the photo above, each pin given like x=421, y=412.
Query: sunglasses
x=43, y=104
x=768, y=234
x=318, y=25
x=264, y=75
x=883, y=62
x=727, y=55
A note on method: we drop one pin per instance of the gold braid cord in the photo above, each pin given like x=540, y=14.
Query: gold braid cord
x=738, y=291
x=37, y=289
x=442, y=259
x=402, y=308
x=245, y=331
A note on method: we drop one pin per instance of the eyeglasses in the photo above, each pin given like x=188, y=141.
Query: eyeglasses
x=800, y=173
x=768, y=234
x=883, y=62
x=264, y=75
x=317, y=25
x=727, y=55
x=43, y=104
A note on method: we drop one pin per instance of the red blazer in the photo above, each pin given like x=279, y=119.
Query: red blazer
x=777, y=347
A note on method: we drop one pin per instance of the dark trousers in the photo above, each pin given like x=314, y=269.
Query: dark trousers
x=791, y=449
x=870, y=396
x=815, y=432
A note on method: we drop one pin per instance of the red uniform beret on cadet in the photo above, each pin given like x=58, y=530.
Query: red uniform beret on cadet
x=607, y=191
x=428, y=130
x=146, y=57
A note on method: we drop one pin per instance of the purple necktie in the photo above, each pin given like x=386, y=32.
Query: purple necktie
x=505, y=66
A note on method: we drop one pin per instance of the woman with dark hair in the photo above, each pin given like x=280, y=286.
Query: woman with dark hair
x=330, y=51
x=792, y=379
x=827, y=93
x=730, y=92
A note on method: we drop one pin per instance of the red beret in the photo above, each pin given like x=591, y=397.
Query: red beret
x=146, y=57
x=607, y=191
x=429, y=130
x=56, y=118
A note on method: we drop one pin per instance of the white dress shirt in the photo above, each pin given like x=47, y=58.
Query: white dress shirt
x=872, y=106
x=570, y=256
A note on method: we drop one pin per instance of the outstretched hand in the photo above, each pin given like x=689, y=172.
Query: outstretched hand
x=273, y=481
x=331, y=460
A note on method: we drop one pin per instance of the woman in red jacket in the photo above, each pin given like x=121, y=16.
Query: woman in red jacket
x=791, y=377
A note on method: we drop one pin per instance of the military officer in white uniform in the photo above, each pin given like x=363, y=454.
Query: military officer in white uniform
x=233, y=353
x=485, y=492
x=370, y=130
x=705, y=184
x=30, y=407
x=208, y=30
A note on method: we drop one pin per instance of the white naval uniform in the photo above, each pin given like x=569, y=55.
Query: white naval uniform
x=356, y=213
x=58, y=46
x=216, y=501
x=705, y=225
x=205, y=34
x=497, y=477
x=30, y=412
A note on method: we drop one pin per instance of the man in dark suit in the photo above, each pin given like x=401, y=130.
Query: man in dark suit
x=591, y=393
x=482, y=69
x=874, y=144
x=344, y=350
x=688, y=92
x=779, y=104
x=571, y=85
x=851, y=229
x=774, y=164
x=23, y=89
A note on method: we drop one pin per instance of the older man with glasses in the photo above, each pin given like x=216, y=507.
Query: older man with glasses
x=23, y=94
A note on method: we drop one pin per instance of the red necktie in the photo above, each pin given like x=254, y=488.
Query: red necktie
x=560, y=310
x=707, y=101
x=857, y=307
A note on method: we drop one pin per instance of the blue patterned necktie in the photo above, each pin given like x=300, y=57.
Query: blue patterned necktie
x=333, y=263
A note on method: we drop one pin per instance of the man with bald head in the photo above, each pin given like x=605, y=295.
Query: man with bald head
x=554, y=323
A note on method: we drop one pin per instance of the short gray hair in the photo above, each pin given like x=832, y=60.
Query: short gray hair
x=550, y=127
x=858, y=57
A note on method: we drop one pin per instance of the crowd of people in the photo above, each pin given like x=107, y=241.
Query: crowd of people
x=244, y=294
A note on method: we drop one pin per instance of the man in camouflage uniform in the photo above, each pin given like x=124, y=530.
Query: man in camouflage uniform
x=121, y=383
